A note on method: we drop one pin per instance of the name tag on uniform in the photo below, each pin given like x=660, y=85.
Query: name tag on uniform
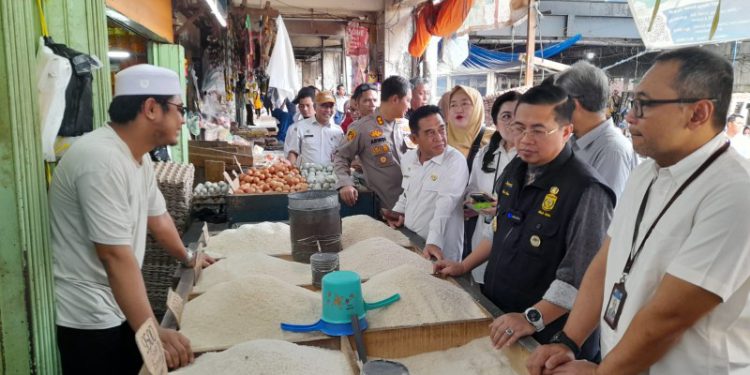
x=309, y=135
x=614, y=306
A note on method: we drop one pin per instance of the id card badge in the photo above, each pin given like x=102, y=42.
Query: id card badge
x=614, y=306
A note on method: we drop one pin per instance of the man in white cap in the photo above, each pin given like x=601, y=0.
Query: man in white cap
x=103, y=199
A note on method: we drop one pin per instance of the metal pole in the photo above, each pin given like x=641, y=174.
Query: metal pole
x=531, y=21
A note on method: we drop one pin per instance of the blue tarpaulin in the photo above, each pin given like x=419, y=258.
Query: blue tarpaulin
x=481, y=58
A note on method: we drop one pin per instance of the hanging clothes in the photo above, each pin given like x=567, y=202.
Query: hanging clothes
x=281, y=67
x=440, y=20
x=53, y=75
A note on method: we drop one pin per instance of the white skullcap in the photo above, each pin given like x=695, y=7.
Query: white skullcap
x=145, y=79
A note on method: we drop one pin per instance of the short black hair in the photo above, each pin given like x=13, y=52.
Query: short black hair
x=420, y=113
x=394, y=85
x=510, y=96
x=305, y=92
x=340, y=86
x=548, y=94
x=362, y=88
x=703, y=74
x=733, y=118
x=125, y=108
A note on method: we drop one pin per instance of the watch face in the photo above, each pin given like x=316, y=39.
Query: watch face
x=533, y=315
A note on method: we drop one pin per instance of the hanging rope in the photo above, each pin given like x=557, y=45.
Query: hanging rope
x=42, y=19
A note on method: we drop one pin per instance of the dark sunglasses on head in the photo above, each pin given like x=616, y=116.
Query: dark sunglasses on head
x=364, y=87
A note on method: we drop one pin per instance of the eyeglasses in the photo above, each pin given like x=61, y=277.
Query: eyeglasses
x=636, y=105
x=534, y=133
x=180, y=108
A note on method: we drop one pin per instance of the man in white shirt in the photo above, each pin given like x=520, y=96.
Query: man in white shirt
x=315, y=139
x=740, y=142
x=595, y=138
x=103, y=199
x=341, y=99
x=434, y=179
x=305, y=102
x=671, y=280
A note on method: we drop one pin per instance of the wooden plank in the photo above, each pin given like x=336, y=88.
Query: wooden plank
x=214, y=170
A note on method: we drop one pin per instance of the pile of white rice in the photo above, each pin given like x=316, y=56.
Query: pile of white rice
x=361, y=227
x=247, y=309
x=375, y=255
x=269, y=357
x=478, y=357
x=424, y=299
x=253, y=264
x=266, y=238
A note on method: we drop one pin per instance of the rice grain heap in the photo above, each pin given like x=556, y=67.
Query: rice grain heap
x=477, y=357
x=253, y=264
x=247, y=309
x=375, y=255
x=269, y=357
x=361, y=227
x=424, y=299
x=265, y=238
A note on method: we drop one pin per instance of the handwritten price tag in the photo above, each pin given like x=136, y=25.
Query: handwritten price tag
x=149, y=344
x=198, y=267
x=175, y=305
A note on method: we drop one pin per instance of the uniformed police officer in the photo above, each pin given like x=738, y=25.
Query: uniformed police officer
x=552, y=214
x=379, y=139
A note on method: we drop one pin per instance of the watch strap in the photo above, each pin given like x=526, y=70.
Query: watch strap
x=562, y=338
x=188, y=261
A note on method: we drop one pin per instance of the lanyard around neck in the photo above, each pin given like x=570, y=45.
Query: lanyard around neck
x=634, y=254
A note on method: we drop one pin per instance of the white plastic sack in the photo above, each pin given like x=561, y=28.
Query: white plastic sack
x=455, y=50
x=281, y=67
x=53, y=74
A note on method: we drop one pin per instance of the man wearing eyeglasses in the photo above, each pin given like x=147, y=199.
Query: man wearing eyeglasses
x=670, y=285
x=103, y=199
x=552, y=213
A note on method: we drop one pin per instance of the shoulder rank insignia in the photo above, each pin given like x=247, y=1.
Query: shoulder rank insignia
x=351, y=134
x=376, y=133
x=379, y=119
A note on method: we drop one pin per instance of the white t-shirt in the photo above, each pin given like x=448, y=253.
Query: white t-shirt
x=702, y=239
x=99, y=194
x=741, y=143
x=432, y=199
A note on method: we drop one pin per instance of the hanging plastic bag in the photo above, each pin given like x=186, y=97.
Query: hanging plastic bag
x=455, y=50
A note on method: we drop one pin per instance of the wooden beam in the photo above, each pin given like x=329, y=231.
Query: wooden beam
x=531, y=21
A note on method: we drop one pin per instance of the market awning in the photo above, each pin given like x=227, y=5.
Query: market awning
x=481, y=58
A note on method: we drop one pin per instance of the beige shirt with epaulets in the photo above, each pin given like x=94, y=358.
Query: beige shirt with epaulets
x=379, y=145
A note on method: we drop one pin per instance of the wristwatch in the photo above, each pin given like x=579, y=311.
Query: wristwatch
x=188, y=261
x=534, y=317
x=562, y=338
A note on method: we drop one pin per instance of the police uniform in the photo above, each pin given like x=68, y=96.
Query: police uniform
x=379, y=145
x=532, y=233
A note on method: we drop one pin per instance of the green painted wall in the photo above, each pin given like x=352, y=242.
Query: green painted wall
x=172, y=56
x=27, y=340
x=27, y=330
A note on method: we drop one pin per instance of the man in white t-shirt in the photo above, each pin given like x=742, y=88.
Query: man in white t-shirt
x=103, y=199
x=670, y=282
x=341, y=99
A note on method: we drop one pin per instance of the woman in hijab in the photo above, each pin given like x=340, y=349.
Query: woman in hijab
x=465, y=118
x=488, y=166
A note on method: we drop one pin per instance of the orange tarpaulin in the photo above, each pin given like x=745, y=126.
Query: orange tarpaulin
x=440, y=20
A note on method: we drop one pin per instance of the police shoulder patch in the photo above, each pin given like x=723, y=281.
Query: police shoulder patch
x=351, y=134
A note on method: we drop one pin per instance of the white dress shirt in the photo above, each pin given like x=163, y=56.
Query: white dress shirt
x=741, y=143
x=702, y=239
x=314, y=142
x=484, y=182
x=432, y=201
